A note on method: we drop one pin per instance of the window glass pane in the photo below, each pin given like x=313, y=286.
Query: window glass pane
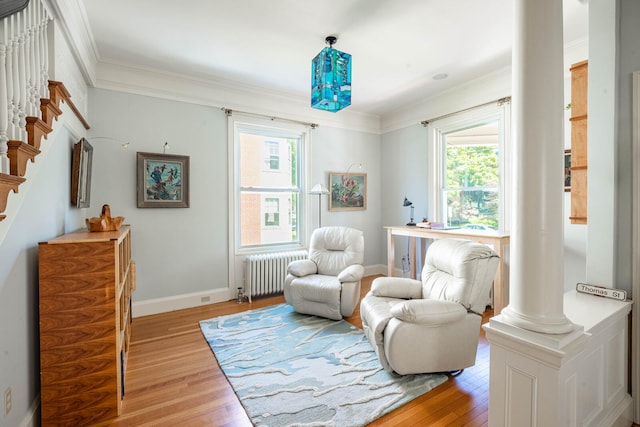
x=472, y=178
x=475, y=166
x=268, y=187
x=474, y=209
x=267, y=162
x=267, y=218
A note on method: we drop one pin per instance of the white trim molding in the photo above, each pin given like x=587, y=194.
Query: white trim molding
x=635, y=251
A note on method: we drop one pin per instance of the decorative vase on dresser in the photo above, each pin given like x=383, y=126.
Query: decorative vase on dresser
x=86, y=280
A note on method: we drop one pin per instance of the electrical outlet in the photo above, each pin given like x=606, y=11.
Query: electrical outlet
x=205, y=299
x=7, y=401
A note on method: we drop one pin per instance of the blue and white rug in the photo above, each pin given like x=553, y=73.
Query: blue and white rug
x=290, y=369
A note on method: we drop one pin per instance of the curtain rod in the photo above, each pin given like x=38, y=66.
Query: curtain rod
x=500, y=102
x=229, y=112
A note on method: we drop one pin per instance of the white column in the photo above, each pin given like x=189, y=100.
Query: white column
x=537, y=241
x=535, y=349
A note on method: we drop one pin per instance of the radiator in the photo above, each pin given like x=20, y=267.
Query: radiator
x=265, y=273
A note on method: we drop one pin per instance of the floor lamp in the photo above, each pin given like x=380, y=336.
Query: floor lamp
x=319, y=189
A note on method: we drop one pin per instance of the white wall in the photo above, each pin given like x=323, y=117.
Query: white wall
x=177, y=250
x=185, y=250
x=334, y=150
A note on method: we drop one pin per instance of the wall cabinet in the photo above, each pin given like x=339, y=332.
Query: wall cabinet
x=579, y=79
x=86, y=280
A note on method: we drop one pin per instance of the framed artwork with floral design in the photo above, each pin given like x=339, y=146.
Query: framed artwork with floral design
x=348, y=191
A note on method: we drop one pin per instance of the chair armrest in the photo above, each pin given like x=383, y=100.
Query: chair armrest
x=428, y=312
x=396, y=287
x=302, y=267
x=353, y=273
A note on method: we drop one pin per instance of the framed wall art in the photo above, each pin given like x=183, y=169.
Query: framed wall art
x=81, y=173
x=162, y=180
x=348, y=191
x=567, y=170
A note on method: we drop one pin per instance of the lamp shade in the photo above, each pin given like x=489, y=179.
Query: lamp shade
x=331, y=79
x=319, y=189
x=406, y=202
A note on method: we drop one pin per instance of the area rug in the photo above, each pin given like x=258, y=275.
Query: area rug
x=290, y=369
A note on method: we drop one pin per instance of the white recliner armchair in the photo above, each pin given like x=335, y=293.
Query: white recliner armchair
x=432, y=325
x=327, y=284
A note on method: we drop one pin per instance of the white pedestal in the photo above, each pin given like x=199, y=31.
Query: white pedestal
x=574, y=379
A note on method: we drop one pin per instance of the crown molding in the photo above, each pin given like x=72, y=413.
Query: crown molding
x=474, y=92
x=226, y=94
x=71, y=18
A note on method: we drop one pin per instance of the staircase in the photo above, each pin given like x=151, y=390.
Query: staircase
x=19, y=152
x=29, y=100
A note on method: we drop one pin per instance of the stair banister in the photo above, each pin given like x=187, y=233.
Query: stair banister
x=23, y=72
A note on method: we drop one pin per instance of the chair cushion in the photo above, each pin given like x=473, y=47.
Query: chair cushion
x=460, y=271
x=302, y=267
x=335, y=248
x=353, y=273
x=317, y=288
x=316, y=294
x=428, y=312
x=375, y=313
x=396, y=287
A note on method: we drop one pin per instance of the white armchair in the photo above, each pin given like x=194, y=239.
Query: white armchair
x=432, y=325
x=327, y=284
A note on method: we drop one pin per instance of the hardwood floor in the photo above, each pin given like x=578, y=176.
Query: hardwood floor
x=173, y=378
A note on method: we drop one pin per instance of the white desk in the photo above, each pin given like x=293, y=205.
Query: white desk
x=499, y=242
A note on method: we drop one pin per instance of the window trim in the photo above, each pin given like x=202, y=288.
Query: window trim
x=463, y=120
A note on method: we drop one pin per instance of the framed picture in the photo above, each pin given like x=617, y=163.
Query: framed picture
x=348, y=191
x=163, y=180
x=567, y=170
x=81, y=173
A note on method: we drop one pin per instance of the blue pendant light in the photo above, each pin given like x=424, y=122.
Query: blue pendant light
x=331, y=79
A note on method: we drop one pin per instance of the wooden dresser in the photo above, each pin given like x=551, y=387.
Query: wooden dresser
x=86, y=280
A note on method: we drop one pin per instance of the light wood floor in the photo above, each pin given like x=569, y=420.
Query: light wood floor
x=172, y=378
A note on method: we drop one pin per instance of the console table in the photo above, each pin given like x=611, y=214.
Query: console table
x=499, y=242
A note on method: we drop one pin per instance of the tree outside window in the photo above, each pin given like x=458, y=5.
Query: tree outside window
x=472, y=182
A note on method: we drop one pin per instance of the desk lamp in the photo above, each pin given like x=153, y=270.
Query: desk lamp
x=408, y=203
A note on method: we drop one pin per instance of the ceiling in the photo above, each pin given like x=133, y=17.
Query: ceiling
x=397, y=46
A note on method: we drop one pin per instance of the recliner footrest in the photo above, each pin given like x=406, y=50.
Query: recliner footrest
x=316, y=294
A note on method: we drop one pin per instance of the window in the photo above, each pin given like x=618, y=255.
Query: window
x=471, y=178
x=470, y=183
x=273, y=155
x=267, y=185
x=271, y=212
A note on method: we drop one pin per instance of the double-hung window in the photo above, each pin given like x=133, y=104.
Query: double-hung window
x=268, y=181
x=470, y=184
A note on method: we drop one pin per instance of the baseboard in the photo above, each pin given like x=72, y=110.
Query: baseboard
x=32, y=418
x=197, y=299
x=374, y=270
x=179, y=302
x=620, y=415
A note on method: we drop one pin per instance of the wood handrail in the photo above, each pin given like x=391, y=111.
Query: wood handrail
x=59, y=92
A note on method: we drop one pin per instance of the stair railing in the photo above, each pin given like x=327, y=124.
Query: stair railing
x=24, y=65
